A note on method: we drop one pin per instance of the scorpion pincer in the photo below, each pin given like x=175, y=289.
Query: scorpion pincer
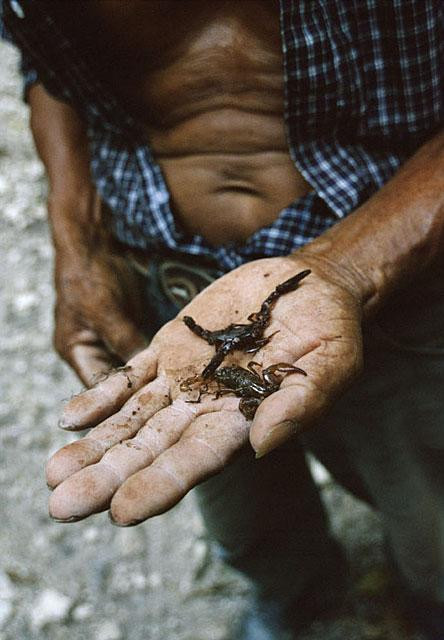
x=243, y=337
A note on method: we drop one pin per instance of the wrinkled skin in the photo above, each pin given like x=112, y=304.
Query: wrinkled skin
x=150, y=446
x=98, y=308
x=98, y=314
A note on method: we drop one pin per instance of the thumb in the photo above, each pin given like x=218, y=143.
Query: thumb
x=302, y=400
x=90, y=360
x=282, y=416
x=121, y=335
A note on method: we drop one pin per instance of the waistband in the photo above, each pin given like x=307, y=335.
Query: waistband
x=178, y=277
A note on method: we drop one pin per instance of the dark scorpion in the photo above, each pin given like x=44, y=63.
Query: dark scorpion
x=244, y=337
x=246, y=384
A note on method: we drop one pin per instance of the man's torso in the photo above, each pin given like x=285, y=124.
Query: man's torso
x=206, y=79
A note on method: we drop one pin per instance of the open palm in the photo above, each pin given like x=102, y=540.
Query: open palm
x=151, y=445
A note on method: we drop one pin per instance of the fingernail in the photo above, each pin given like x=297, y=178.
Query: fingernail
x=130, y=523
x=65, y=520
x=66, y=426
x=67, y=420
x=70, y=423
x=279, y=434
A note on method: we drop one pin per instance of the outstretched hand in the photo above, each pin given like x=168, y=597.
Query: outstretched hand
x=149, y=446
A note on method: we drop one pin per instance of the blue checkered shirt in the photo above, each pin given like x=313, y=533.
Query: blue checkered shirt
x=364, y=84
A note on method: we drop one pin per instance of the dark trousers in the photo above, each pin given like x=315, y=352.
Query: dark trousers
x=383, y=440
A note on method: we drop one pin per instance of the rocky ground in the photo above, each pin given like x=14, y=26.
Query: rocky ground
x=157, y=581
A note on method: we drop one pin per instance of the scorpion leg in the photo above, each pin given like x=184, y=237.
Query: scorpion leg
x=260, y=343
x=222, y=391
x=186, y=385
x=201, y=391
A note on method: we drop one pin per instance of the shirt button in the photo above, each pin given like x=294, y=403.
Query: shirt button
x=17, y=8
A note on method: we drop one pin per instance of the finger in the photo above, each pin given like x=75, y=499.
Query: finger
x=121, y=335
x=90, y=490
x=202, y=451
x=302, y=400
x=121, y=426
x=94, y=405
x=83, y=351
x=91, y=362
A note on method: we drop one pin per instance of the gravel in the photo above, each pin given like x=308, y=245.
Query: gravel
x=158, y=581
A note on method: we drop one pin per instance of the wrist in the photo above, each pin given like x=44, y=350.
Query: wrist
x=336, y=263
x=74, y=220
x=395, y=237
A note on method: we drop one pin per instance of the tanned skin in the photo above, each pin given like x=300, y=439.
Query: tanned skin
x=217, y=130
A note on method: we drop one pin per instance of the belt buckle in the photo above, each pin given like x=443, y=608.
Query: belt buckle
x=181, y=282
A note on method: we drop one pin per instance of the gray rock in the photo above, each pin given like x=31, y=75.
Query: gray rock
x=6, y=610
x=200, y=557
x=7, y=590
x=49, y=606
x=129, y=541
x=82, y=612
x=109, y=630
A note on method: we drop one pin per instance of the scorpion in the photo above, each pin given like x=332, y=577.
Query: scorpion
x=243, y=337
x=246, y=384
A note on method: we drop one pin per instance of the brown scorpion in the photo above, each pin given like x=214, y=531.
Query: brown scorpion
x=246, y=384
x=243, y=337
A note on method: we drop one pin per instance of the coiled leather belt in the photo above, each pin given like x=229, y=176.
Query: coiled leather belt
x=179, y=279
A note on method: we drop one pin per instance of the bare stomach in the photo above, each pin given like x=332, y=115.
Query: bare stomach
x=205, y=77
x=229, y=172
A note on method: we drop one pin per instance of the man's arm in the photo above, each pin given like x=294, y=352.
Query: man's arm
x=62, y=145
x=389, y=243
x=151, y=446
x=93, y=326
x=394, y=237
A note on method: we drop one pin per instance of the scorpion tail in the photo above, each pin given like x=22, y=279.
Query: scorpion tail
x=285, y=287
x=292, y=283
x=197, y=329
x=189, y=321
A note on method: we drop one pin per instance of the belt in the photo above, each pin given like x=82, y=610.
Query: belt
x=178, y=277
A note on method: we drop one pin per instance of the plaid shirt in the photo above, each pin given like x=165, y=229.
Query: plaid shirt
x=364, y=84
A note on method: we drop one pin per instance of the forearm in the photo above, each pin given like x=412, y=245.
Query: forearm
x=62, y=145
x=395, y=236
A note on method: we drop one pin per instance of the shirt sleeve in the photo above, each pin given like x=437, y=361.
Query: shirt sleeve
x=28, y=72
